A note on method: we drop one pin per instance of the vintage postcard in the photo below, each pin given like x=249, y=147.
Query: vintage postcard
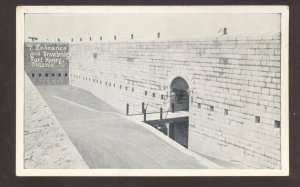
x=152, y=91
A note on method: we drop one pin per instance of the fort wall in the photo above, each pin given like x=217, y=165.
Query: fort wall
x=234, y=88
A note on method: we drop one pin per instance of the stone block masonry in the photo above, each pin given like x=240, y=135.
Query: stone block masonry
x=234, y=88
x=46, y=145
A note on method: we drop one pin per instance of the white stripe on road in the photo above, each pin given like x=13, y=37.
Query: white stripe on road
x=75, y=104
x=82, y=106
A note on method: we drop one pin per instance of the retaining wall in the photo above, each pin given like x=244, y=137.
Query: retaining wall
x=46, y=145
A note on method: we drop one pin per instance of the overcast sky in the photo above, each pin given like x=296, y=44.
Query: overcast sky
x=144, y=26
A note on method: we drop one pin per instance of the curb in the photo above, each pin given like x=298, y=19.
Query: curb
x=203, y=161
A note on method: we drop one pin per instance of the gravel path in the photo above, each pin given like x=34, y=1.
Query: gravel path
x=106, y=140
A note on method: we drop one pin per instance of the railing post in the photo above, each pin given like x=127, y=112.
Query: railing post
x=127, y=109
x=172, y=107
x=161, y=113
x=145, y=115
x=143, y=107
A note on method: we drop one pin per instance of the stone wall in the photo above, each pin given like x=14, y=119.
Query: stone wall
x=234, y=88
x=46, y=145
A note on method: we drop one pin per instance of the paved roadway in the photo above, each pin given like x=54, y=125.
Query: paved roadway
x=105, y=139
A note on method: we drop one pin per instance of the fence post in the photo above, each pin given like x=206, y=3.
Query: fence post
x=127, y=109
x=161, y=113
x=143, y=107
x=173, y=107
x=145, y=115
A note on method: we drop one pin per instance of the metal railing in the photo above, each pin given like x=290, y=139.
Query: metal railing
x=146, y=109
x=160, y=123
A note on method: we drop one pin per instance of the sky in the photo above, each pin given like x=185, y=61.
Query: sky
x=49, y=27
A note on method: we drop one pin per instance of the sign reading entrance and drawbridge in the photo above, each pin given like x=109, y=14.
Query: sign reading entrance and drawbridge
x=47, y=63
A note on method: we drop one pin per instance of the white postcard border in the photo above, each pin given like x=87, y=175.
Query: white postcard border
x=22, y=10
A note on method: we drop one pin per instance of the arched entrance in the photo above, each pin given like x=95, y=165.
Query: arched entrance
x=178, y=129
x=179, y=94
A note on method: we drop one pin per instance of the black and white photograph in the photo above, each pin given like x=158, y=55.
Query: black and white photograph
x=152, y=91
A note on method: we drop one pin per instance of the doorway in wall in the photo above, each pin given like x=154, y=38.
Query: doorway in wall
x=179, y=94
x=178, y=129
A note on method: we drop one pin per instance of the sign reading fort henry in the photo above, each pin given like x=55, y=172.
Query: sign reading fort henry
x=47, y=63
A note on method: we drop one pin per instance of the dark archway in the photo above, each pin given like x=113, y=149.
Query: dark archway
x=179, y=94
x=179, y=128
